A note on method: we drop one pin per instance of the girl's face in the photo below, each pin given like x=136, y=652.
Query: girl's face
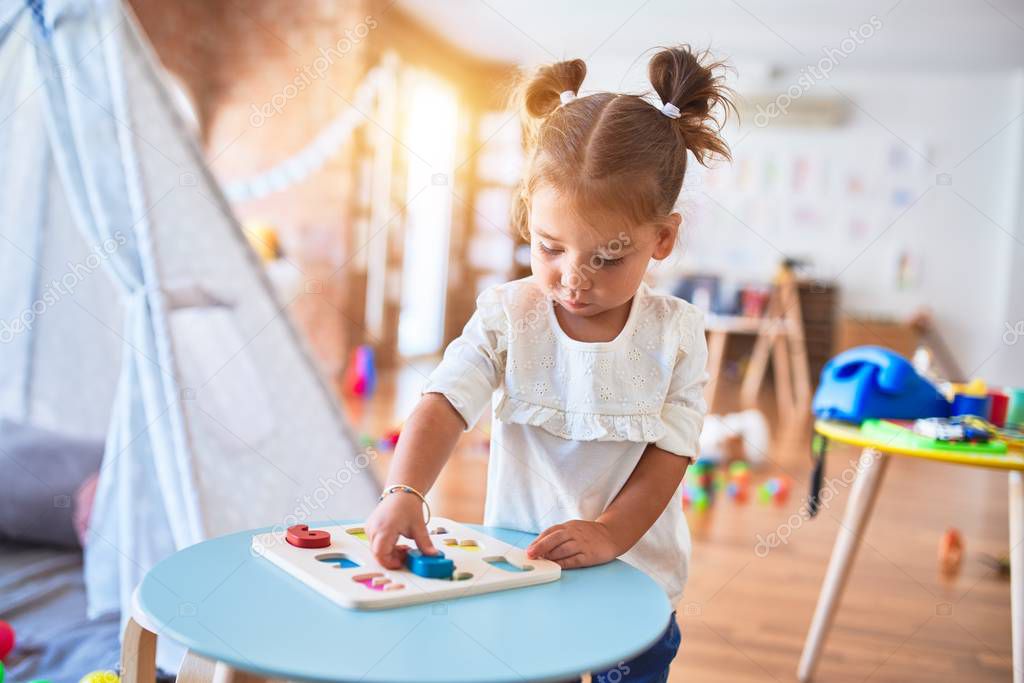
x=591, y=268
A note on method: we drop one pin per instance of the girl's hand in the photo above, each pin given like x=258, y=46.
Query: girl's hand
x=398, y=514
x=577, y=543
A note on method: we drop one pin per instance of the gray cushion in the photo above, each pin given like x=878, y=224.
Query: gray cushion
x=40, y=471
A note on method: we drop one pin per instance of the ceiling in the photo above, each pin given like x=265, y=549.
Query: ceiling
x=757, y=35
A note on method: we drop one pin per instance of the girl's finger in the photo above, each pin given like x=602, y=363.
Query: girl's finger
x=547, y=532
x=567, y=549
x=383, y=546
x=542, y=546
x=422, y=538
x=575, y=562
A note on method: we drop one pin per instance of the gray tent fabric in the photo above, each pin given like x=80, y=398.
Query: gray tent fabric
x=132, y=308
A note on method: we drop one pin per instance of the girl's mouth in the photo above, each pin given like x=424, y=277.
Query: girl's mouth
x=573, y=305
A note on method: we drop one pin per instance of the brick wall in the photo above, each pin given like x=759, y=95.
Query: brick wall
x=296, y=63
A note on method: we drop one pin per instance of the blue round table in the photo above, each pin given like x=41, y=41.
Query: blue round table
x=228, y=605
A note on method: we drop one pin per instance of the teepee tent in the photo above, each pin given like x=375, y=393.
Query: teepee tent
x=132, y=308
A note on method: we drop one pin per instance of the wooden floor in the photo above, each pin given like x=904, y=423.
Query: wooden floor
x=747, y=607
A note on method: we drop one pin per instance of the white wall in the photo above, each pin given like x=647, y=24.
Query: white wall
x=966, y=238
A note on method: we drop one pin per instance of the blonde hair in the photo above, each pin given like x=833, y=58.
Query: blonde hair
x=616, y=153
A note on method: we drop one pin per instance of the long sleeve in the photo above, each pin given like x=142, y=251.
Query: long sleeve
x=473, y=365
x=684, y=409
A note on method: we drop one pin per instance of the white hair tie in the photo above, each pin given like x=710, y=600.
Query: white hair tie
x=567, y=96
x=670, y=110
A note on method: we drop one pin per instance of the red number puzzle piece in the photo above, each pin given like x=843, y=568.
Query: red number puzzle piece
x=301, y=536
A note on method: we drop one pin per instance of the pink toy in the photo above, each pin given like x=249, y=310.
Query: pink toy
x=6, y=639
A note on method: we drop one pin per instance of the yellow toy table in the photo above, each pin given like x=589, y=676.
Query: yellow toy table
x=870, y=471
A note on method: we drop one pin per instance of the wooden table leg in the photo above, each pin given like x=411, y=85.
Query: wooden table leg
x=716, y=357
x=1017, y=574
x=138, y=654
x=195, y=669
x=872, y=466
x=223, y=673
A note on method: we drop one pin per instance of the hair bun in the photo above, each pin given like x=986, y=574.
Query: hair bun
x=542, y=92
x=696, y=86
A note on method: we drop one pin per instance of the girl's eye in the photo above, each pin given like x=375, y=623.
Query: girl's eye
x=548, y=250
x=610, y=261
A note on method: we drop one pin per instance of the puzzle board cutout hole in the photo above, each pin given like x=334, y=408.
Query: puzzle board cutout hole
x=377, y=581
x=503, y=564
x=340, y=560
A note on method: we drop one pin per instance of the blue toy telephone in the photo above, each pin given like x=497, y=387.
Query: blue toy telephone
x=875, y=382
x=868, y=382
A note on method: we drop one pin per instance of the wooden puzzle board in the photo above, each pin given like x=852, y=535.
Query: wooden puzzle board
x=347, y=573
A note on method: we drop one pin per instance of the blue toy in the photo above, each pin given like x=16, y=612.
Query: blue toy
x=875, y=382
x=429, y=566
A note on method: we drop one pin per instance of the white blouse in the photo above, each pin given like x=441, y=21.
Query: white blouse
x=572, y=418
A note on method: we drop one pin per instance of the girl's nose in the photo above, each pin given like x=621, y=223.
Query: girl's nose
x=573, y=278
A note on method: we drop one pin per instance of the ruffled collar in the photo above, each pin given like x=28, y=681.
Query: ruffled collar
x=622, y=337
x=589, y=391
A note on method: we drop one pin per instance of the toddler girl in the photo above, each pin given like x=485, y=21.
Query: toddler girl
x=596, y=382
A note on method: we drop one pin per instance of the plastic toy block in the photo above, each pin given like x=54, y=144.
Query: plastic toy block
x=301, y=536
x=429, y=566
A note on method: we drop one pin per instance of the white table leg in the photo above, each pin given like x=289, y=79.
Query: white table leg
x=872, y=466
x=1017, y=574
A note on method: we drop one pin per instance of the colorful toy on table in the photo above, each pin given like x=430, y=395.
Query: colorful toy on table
x=361, y=375
x=7, y=640
x=958, y=429
x=1015, y=409
x=864, y=383
x=970, y=429
x=998, y=403
x=970, y=399
x=346, y=572
x=875, y=382
x=901, y=435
